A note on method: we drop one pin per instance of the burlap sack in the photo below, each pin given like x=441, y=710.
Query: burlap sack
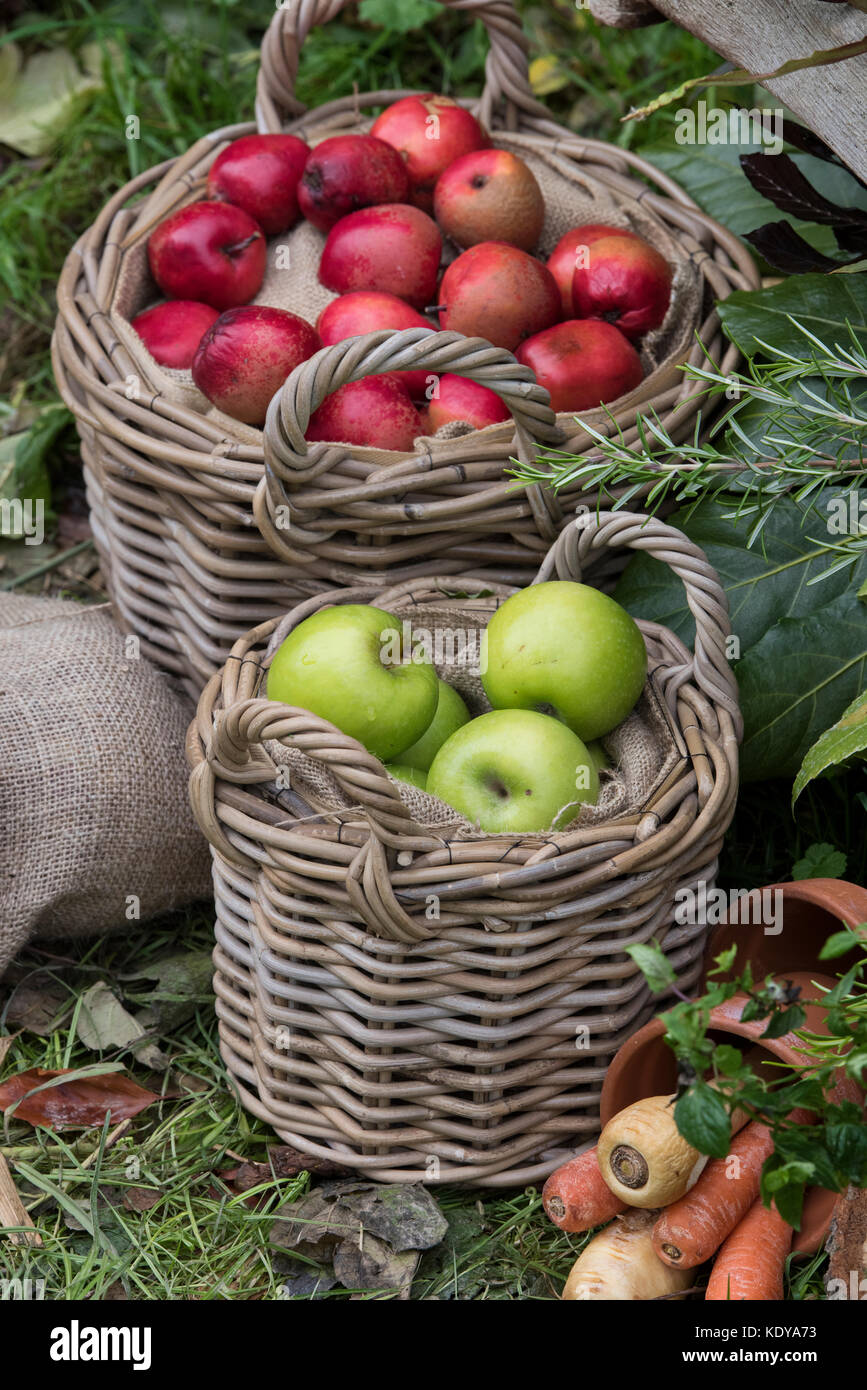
x=95, y=826
x=292, y=281
x=643, y=751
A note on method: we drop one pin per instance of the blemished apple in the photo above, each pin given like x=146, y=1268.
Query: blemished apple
x=365, y=311
x=430, y=132
x=498, y=292
x=211, y=252
x=348, y=172
x=582, y=363
x=172, y=331
x=516, y=771
x=566, y=650
x=402, y=773
x=392, y=247
x=338, y=664
x=451, y=713
x=490, y=195
x=457, y=398
x=247, y=354
x=375, y=412
x=563, y=260
x=261, y=173
x=626, y=282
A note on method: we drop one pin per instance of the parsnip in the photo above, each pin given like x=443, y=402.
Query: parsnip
x=620, y=1264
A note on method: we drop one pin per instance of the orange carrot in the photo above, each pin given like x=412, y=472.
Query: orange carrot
x=750, y=1264
x=694, y=1227
x=576, y=1196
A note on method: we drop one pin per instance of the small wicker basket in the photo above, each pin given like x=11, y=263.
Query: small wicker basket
x=173, y=483
x=470, y=1047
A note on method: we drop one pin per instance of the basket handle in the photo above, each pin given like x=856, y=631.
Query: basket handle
x=506, y=67
x=594, y=531
x=290, y=461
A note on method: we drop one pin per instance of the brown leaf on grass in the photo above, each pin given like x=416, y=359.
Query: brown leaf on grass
x=80, y=1103
x=140, y=1198
x=36, y=1005
x=5, y=1043
x=284, y=1162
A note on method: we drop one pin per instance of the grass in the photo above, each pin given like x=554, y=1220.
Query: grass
x=183, y=71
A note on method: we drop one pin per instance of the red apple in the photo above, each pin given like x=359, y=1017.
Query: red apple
x=431, y=132
x=497, y=292
x=627, y=283
x=457, y=398
x=260, y=174
x=564, y=258
x=210, y=252
x=490, y=195
x=245, y=357
x=375, y=412
x=392, y=247
x=348, y=172
x=582, y=363
x=171, y=332
x=366, y=311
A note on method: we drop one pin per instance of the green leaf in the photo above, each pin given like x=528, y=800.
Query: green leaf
x=703, y=1120
x=654, y=966
x=399, y=16
x=786, y=1186
x=847, y=1146
x=728, y=1060
x=712, y=174
x=842, y=988
x=844, y=740
x=44, y=97
x=802, y=646
x=820, y=861
x=24, y=461
x=786, y=1021
x=826, y=307
x=840, y=944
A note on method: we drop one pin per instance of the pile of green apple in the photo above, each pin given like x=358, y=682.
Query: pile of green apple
x=562, y=665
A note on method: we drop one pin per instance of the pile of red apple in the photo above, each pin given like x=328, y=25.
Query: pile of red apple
x=386, y=201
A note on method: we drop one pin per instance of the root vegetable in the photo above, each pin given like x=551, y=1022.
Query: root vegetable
x=576, y=1196
x=751, y=1262
x=693, y=1228
x=643, y=1158
x=621, y=1265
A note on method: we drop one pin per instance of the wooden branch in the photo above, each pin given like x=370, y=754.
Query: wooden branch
x=847, y=1244
x=12, y=1212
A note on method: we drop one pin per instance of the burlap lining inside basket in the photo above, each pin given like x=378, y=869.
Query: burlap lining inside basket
x=643, y=750
x=291, y=282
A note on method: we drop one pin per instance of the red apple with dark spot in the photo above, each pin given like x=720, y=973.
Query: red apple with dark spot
x=393, y=248
x=375, y=412
x=563, y=260
x=171, y=332
x=210, y=252
x=367, y=311
x=582, y=363
x=458, y=398
x=490, y=195
x=431, y=132
x=260, y=173
x=497, y=292
x=626, y=282
x=245, y=357
x=348, y=172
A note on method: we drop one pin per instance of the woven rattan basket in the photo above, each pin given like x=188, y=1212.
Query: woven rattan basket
x=471, y=1047
x=172, y=482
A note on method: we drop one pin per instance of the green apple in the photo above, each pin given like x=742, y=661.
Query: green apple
x=340, y=664
x=451, y=713
x=568, y=650
x=413, y=775
x=514, y=770
x=598, y=755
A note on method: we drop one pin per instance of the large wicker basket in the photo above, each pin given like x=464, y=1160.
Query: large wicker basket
x=471, y=1047
x=172, y=484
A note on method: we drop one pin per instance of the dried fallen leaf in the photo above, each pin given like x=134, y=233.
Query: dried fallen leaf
x=141, y=1198
x=82, y=1102
x=5, y=1043
x=37, y=1004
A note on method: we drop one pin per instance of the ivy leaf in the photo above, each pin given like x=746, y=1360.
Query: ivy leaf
x=844, y=740
x=654, y=966
x=820, y=861
x=703, y=1120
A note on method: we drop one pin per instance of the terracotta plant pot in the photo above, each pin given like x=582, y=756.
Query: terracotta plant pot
x=646, y=1066
x=812, y=910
